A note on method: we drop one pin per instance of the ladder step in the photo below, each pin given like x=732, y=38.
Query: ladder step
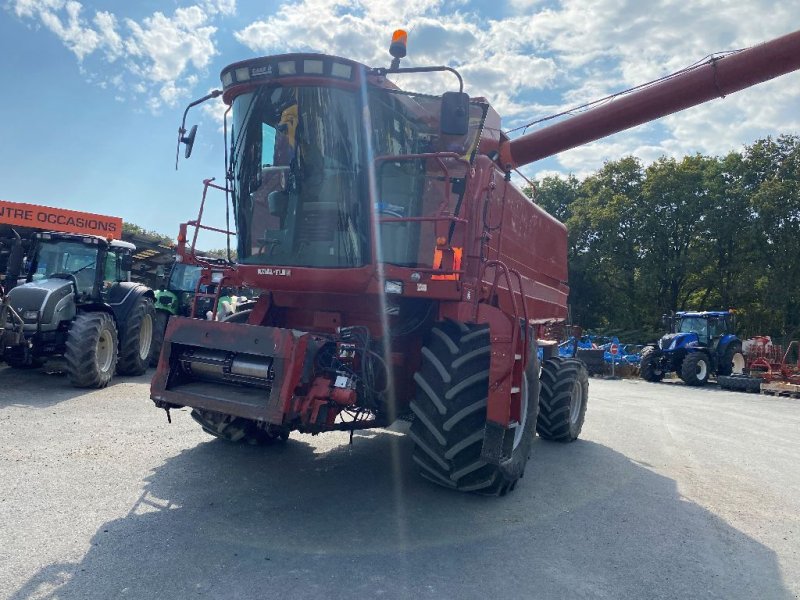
x=515, y=390
x=518, y=357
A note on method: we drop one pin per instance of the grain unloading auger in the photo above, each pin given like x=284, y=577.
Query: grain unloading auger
x=405, y=275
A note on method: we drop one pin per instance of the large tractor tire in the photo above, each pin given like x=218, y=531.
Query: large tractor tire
x=160, y=322
x=91, y=354
x=695, y=369
x=136, y=339
x=562, y=400
x=650, y=367
x=732, y=362
x=235, y=429
x=450, y=412
x=740, y=383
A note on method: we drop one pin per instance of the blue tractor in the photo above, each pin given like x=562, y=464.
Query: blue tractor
x=700, y=344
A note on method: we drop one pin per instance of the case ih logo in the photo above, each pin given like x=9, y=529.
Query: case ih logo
x=279, y=272
x=59, y=219
x=261, y=71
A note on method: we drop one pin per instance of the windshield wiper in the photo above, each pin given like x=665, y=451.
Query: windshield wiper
x=82, y=268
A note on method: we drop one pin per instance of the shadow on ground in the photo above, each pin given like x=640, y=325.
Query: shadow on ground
x=227, y=521
x=46, y=386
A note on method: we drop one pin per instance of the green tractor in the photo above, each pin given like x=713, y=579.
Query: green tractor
x=78, y=302
x=183, y=295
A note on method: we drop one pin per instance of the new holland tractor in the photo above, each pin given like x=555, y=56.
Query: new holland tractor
x=405, y=276
x=699, y=345
x=78, y=302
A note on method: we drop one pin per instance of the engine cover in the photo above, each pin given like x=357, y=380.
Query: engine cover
x=52, y=300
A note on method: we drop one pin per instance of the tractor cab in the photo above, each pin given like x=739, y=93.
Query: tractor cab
x=94, y=265
x=704, y=328
x=175, y=297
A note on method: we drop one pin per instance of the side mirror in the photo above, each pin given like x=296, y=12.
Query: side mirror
x=126, y=262
x=455, y=113
x=189, y=141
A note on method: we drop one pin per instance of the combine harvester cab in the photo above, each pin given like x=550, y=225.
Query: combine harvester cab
x=405, y=275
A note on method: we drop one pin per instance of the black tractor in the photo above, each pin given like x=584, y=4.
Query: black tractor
x=77, y=302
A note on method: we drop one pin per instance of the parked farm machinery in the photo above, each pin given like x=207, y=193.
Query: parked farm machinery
x=406, y=276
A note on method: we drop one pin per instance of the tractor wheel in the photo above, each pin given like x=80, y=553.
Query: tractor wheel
x=91, y=354
x=732, y=362
x=563, y=399
x=740, y=383
x=159, y=329
x=450, y=412
x=137, y=338
x=236, y=429
x=695, y=369
x=650, y=367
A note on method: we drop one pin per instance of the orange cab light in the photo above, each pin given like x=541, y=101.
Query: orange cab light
x=399, y=43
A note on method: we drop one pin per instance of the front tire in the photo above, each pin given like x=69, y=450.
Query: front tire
x=650, y=367
x=450, y=412
x=91, y=354
x=695, y=369
x=563, y=400
x=136, y=339
x=236, y=429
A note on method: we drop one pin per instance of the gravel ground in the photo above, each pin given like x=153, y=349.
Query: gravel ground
x=671, y=492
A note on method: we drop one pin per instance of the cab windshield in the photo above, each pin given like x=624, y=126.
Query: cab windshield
x=66, y=257
x=184, y=278
x=697, y=325
x=299, y=177
x=301, y=158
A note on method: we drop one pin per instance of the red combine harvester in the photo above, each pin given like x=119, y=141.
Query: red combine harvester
x=407, y=276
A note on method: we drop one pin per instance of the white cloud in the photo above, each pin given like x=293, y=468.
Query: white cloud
x=162, y=55
x=167, y=45
x=541, y=58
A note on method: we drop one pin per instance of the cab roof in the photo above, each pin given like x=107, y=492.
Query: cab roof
x=703, y=314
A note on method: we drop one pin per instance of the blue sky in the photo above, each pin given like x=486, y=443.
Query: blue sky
x=94, y=90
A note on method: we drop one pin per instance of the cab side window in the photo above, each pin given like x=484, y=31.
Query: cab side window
x=112, y=272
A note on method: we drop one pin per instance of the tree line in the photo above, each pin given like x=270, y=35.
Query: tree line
x=700, y=233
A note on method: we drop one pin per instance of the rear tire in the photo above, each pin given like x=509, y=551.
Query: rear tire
x=732, y=362
x=649, y=368
x=236, y=429
x=695, y=369
x=159, y=329
x=563, y=400
x=137, y=338
x=450, y=412
x=91, y=354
